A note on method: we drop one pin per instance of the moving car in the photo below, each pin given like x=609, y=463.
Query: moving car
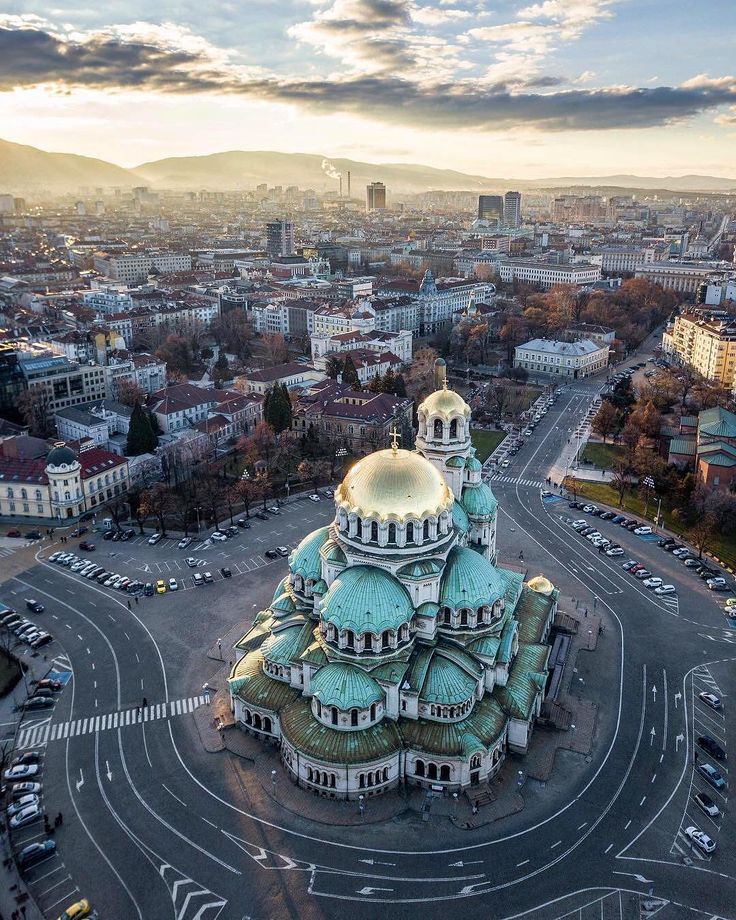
x=154, y=538
x=184, y=542
x=34, y=605
x=274, y=509
x=14, y=533
x=20, y=771
x=79, y=531
x=700, y=839
x=716, y=584
x=86, y=545
x=160, y=586
x=33, y=535
x=665, y=589
x=710, y=699
x=709, y=773
x=712, y=747
x=27, y=816
x=35, y=852
x=704, y=801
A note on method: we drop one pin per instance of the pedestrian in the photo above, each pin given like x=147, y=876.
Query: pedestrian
x=61, y=818
x=136, y=600
x=475, y=808
x=23, y=910
x=129, y=607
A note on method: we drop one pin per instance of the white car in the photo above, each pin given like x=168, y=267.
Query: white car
x=711, y=700
x=184, y=542
x=21, y=771
x=665, y=589
x=505, y=463
x=192, y=562
x=715, y=584
x=681, y=552
x=153, y=540
x=594, y=535
x=23, y=802
x=54, y=556
x=615, y=551
x=700, y=839
x=652, y=582
x=642, y=531
x=29, y=814
x=314, y=497
x=219, y=537
x=173, y=584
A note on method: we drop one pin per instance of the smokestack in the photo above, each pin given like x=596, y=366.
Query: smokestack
x=341, y=186
x=348, y=183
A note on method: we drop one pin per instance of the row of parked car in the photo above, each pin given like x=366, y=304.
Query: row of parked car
x=710, y=575
x=24, y=794
x=91, y=570
x=23, y=629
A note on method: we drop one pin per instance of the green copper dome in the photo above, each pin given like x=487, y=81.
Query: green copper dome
x=460, y=518
x=305, y=559
x=473, y=464
x=287, y=644
x=456, y=463
x=345, y=686
x=331, y=551
x=479, y=501
x=367, y=599
x=469, y=580
x=446, y=682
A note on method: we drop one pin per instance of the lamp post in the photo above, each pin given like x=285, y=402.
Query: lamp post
x=648, y=482
x=198, y=509
x=273, y=783
x=361, y=804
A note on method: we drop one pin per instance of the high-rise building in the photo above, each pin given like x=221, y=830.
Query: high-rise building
x=490, y=207
x=375, y=196
x=279, y=238
x=512, y=209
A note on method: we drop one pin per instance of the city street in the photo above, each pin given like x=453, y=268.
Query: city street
x=155, y=826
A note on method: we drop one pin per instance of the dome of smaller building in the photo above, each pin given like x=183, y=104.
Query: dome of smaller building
x=541, y=585
x=367, y=599
x=345, y=686
x=445, y=402
x=469, y=580
x=479, y=501
x=305, y=559
x=61, y=455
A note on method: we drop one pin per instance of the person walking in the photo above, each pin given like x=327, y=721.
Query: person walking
x=129, y=607
x=136, y=600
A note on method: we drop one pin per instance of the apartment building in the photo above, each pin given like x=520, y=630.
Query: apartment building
x=135, y=267
x=548, y=274
x=706, y=341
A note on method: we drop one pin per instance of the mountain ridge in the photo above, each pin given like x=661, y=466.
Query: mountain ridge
x=23, y=167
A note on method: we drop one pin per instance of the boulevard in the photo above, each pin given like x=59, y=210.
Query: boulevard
x=155, y=826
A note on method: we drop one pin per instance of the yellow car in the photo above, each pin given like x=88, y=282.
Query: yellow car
x=160, y=586
x=76, y=911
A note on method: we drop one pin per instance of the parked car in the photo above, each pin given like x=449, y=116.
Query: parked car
x=629, y=564
x=642, y=531
x=79, y=531
x=653, y=582
x=184, y=542
x=712, y=747
x=23, y=802
x=197, y=579
x=226, y=572
x=208, y=577
x=76, y=911
x=35, y=852
x=154, y=539
x=41, y=640
x=160, y=586
x=241, y=522
x=49, y=684
x=314, y=497
x=642, y=574
x=232, y=531
x=261, y=515
x=673, y=547
x=21, y=771
x=274, y=509
x=148, y=590
x=665, y=541
x=34, y=605
x=665, y=589
x=173, y=584
x=192, y=562
x=27, y=816
x=704, y=801
x=709, y=773
x=716, y=584
x=271, y=554
x=218, y=537
x=710, y=699
x=38, y=702
x=108, y=535
x=14, y=533
x=700, y=839
x=615, y=551
x=27, y=757
x=33, y=535
x=18, y=790
x=690, y=561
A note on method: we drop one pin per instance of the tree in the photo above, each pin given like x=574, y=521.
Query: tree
x=350, y=373
x=375, y=384
x=35, y=409
x=605, y=420
x=129, y=393
x=709, y=513
x=176, y=352
x=277, y=408
x=260, y=445
x=333, y=366
x=497, y=397
x=221, y=370
x=647, y=419
x=141, y=436
x=158, y=502
x=400, y=385
x=389, y=381
x=630, y=437
x=118, y=509
x=420, y=376
x=212, y=491
x=620, y=480
x=274, y=347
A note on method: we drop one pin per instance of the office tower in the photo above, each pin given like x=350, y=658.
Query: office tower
x=512, y=209
x=279, y=238
x=490, y=207
x=375, y=196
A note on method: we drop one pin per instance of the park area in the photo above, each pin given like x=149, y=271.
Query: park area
x=485, y=442
x=602, y=456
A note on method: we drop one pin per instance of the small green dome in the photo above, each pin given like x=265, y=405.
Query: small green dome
x=460, y=518
x=286, y=645
x=446, y=683
x=455, y=463
x=367, y=599
x=283, y=604
x=479, y=501
x=345, y=686
x=331, y=551
x=469, y=580
x=473, y=464
x=421, y=568
x=61, y=455
x=305, y=559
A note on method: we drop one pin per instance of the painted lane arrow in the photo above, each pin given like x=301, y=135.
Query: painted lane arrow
x=652, y=733
x=376, y=862
x=654, y=692
x=678, y=697
x=459, y=864
x=368, y=890
x=80, y=781
x=108, y=771
x=639, y=878
x=678, y=739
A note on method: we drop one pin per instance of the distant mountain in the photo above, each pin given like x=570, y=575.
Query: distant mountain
x=246, y=169
x=24, y=168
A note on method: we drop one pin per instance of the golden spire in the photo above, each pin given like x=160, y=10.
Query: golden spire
x=395, y=440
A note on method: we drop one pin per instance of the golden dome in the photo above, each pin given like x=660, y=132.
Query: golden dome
x=445, y=402
x=394, y=484
x=541, y=585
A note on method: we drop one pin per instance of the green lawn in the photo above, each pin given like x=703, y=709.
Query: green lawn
x=485, y=442
x=602, y=456
x=602, y=493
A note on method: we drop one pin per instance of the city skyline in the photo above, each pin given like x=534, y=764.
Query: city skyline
x=586, y=87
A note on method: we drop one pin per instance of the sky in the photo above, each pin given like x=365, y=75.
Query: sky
x=500, y=88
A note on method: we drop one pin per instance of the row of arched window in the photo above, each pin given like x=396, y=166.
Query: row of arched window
x=465, y=616
x=321, y=778
x=276, y=670
x=258, y=722
x=441, y=772
x=394, y=533
x=367, y=642
x=451, y=712
x=374, y=778
x=24, y=494
x=332, y=713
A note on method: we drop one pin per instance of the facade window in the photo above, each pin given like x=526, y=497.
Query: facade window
x=374, y=532
x=24, y=493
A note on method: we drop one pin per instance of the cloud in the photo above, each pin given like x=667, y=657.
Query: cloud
x=174, y=61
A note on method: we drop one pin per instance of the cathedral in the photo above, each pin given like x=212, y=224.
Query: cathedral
x=396, y=650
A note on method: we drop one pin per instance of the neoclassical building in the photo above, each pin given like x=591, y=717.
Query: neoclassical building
x=396, y=650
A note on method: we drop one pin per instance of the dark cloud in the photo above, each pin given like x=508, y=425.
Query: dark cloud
x=30, y=57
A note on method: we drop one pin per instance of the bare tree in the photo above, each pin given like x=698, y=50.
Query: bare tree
x=605, y=419
x=158, y=502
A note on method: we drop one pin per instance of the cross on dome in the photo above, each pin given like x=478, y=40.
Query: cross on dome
x=395, y=440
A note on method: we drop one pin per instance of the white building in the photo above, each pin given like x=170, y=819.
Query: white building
x=547, y=274
x=105, y=302
x=562, y=359
x=399, y=343
x=135, y=267
x=684, y=277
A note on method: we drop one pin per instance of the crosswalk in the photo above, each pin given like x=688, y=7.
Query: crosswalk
x=42, y=733
x=500, y=477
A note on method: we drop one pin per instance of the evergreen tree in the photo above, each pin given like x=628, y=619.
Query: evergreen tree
x=350, y=374
x=333, y=366
x=277, y=407
x=375, y=384
x=141, y=436
x=389, y=381
x=400, y=385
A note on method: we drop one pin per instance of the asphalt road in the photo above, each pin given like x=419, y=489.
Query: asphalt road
x=155, y=827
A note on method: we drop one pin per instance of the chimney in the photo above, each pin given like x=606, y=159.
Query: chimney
x=341, y=185
x=348, y=183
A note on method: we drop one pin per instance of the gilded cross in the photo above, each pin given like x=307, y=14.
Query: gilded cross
x=394, y=439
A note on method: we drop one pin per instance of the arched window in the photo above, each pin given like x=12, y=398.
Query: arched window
x=38, y=495
x=385, y=774
x=67, y=496
x=385, y=639
x=437, y=428
x=349, y=639
x=425, y=531
x=23, y=494
x=463, y=617
x=332, y=780
x=432, y=771
x=446, y=616
x=453, y=428
x=410, y=532
x=267, y=724
x=444, y=772
x=368, y=642
x=392, y=533
x=374, y=532
x=333, y=715
x=359, y=527
x=354, y=717
x=318, y=707
x=373, y=711
x=419, y=768
x=257, y=721
x=475, y=762
x=361, y=780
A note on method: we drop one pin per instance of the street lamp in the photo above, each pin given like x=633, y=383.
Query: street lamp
x=273, y=783
x=361, y=804
x=648, y=481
